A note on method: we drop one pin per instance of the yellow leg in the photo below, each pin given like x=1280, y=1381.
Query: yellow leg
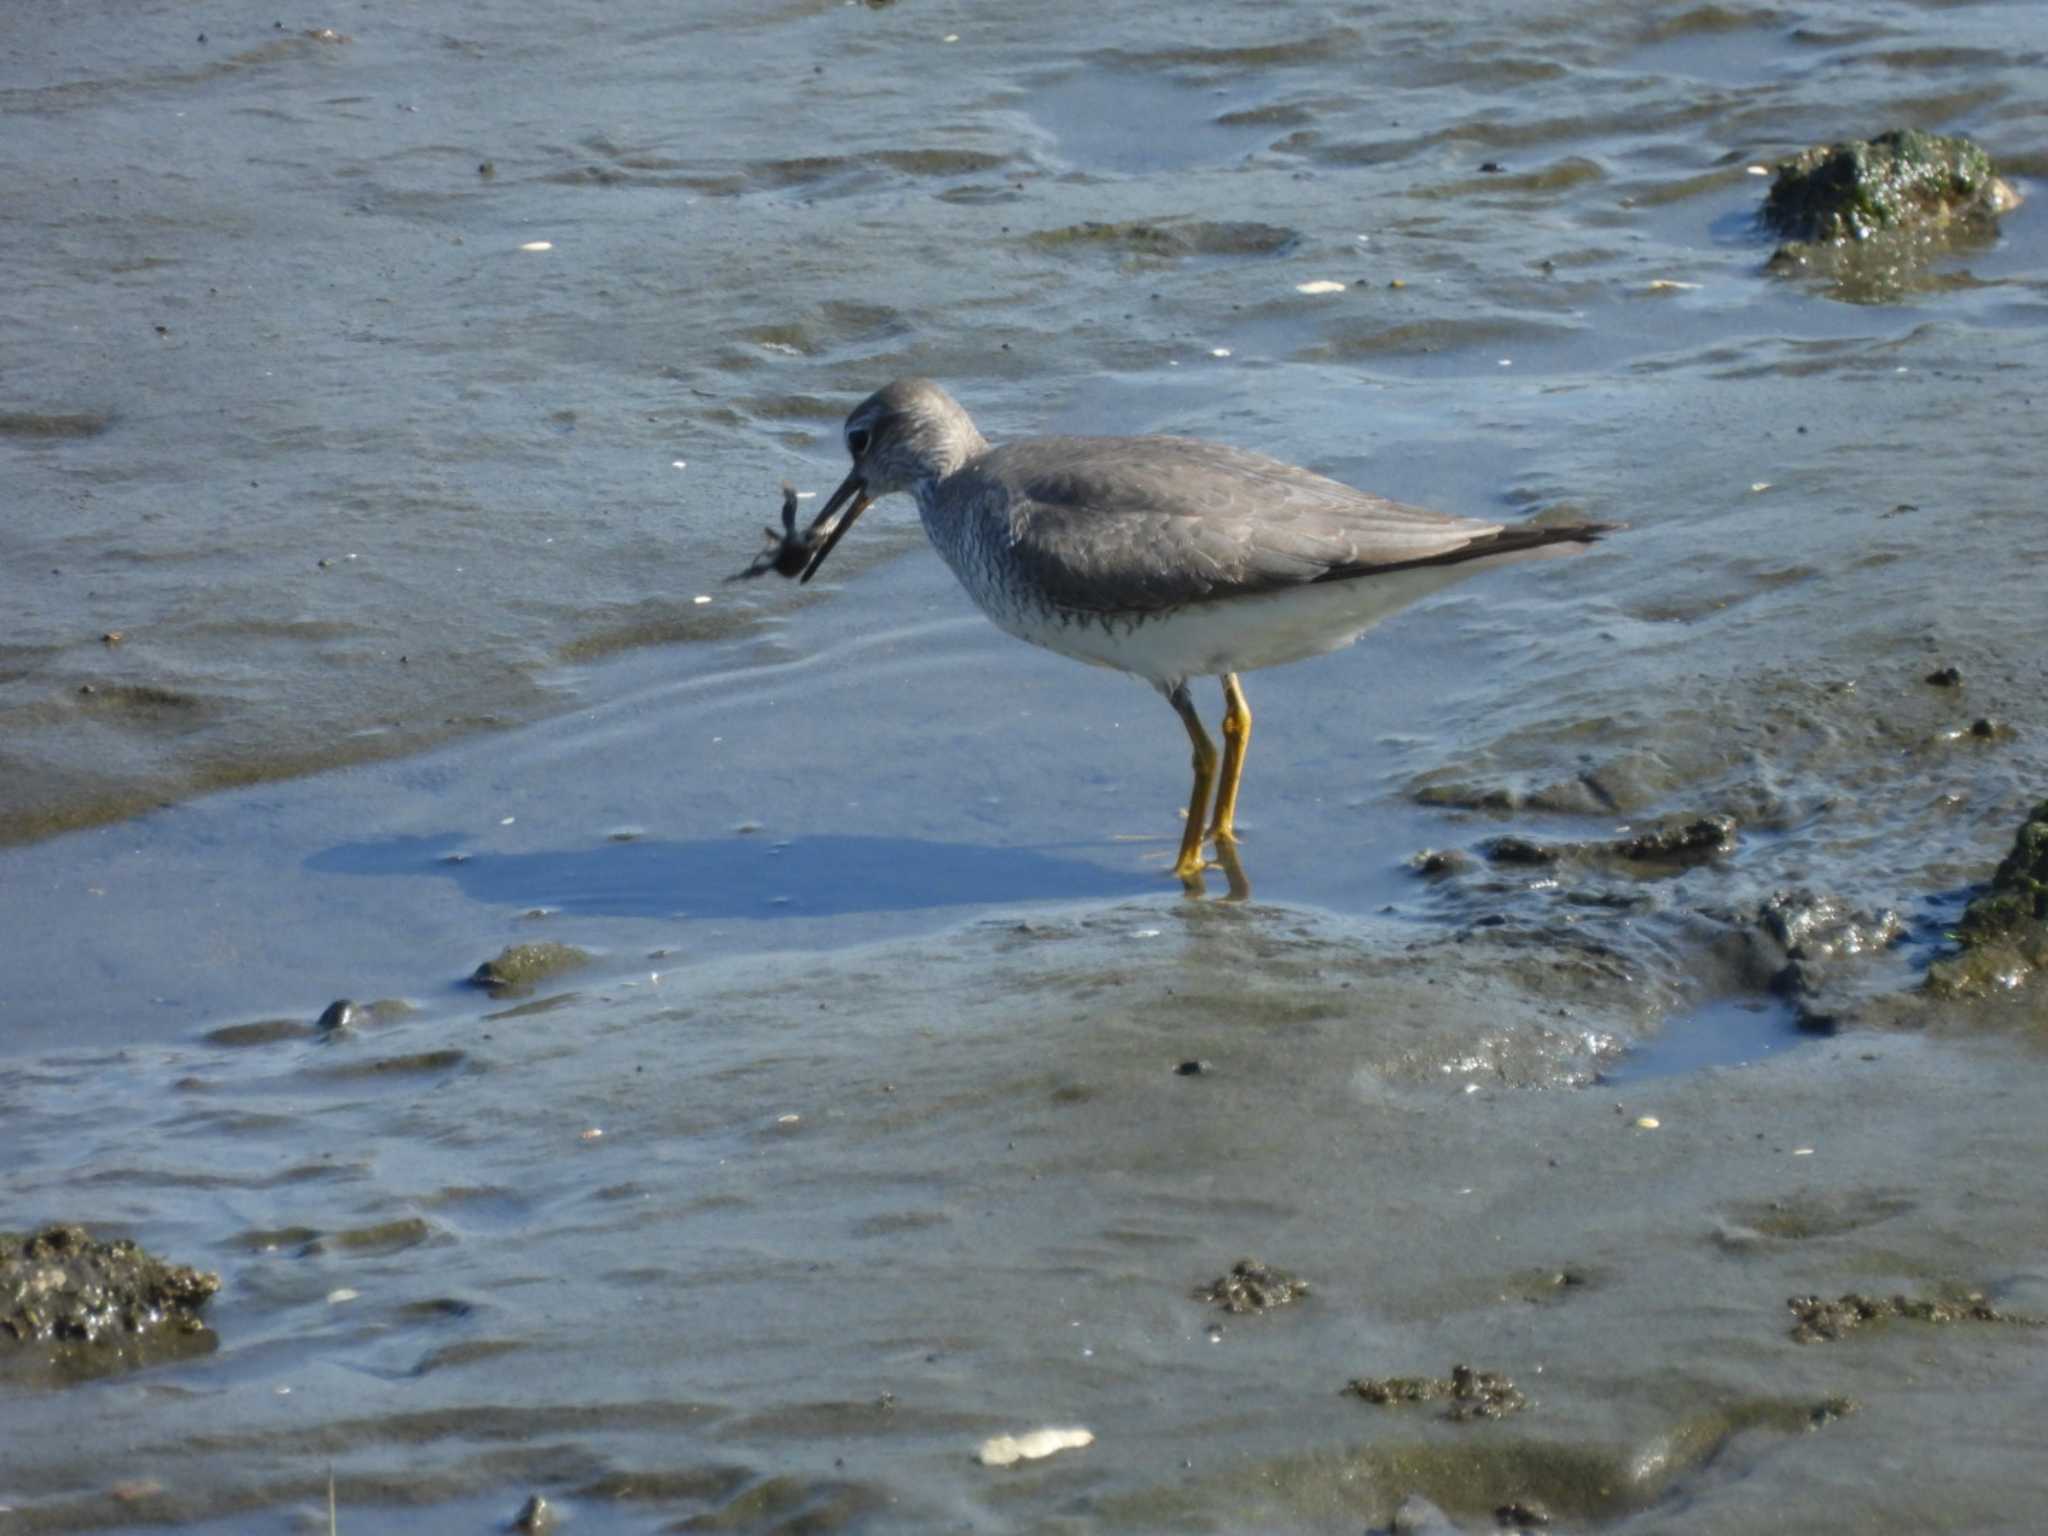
x=1233, y=871
x=1237, y=735
x=1189, y=865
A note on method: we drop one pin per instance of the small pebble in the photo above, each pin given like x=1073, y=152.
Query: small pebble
x=1192, y=1068
x=1647, y=1122
x=339, y=1015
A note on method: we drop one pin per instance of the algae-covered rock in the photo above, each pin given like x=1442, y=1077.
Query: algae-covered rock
x=1253, y=1287
x=520, y=967
x=1816, y=1318
x=99, y=1303
x=2003, y=934
x=1899, y=180
x=1869, y=217
x=1665, y=847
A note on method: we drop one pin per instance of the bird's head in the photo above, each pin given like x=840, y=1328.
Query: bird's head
x=908, y=432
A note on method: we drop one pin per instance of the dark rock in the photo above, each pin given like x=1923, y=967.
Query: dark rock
x=1836, y=193
x=62, y=1286
x=1470, y=1394
x=1253, y=1287
x=1519, y=850
x=2002, y=937
x=1817, y=1319
x=340, y=1014
x=1679, y=841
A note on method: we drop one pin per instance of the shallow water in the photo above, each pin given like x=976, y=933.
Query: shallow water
x=385, y=482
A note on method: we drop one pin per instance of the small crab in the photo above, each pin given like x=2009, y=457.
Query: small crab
x=787, y=552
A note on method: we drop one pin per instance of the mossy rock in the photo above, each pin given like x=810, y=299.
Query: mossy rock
x=520, y=967
x=63, y=1286
x=2003, y=933
x=1901, y=180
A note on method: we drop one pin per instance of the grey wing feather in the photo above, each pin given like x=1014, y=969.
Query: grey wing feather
x=1155, y=522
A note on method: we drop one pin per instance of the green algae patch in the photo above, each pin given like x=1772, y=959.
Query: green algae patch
x=1904, y=179
x=519, y=968
x=2003, y=933
x=88, y=1306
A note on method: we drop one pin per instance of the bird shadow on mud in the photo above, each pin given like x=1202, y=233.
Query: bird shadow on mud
x=743, y=877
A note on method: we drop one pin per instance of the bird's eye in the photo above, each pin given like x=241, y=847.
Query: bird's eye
x=857, y=442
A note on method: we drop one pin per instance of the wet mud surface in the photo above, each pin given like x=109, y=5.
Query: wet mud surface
x=996, y=1191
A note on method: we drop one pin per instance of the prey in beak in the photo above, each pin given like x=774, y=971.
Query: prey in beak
x=789, y=553
x=853, y=496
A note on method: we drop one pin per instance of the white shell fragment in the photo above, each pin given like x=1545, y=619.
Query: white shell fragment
x=1008, y=1450
x=538, y=245
x=1320, y=285
x=1647, y=1122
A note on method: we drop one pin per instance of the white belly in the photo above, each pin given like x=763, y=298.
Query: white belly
x=1236, y=635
